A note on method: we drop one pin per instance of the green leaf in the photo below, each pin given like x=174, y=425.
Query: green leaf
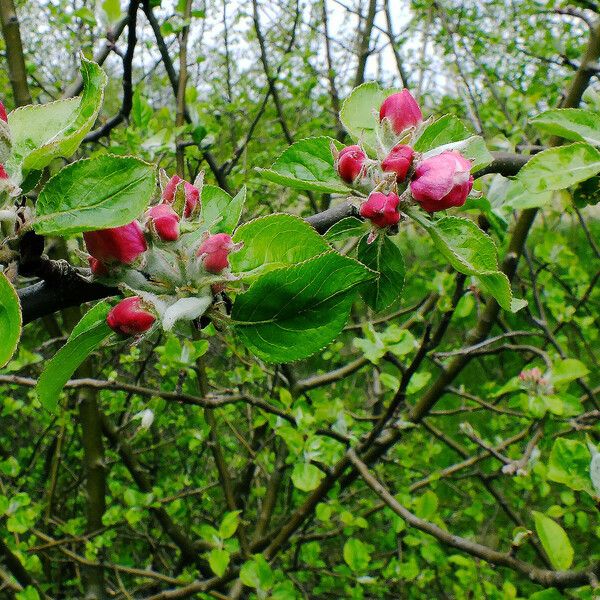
x=511, y=194
x=567, y=370
x=273, y=242
x=64, y=363
x=141, y=111
x=220, y=208
x=257, y=573
x=356, y=555
x=360, y=113
x=112, y=10
x=472, y=252
x=218, y=559
x=306, y=477
x=92, y=317
x=307, y=165
x=346, y=228
x=10, y=319
x=560, y=168
x=574, y=124
x=229, y=524
x=43, y=132
x=293, y=312
x=384, y=257
x=549, y=594
x=554, y=541
x=98, y=193
x=569, y=464
x=445, y=130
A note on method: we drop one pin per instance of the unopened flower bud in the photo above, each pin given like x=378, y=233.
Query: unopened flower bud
x=118, y=244
x=381, y=209
x=350, y=162
x=214, y=252
x=129, y=317
x=163, y=220
x=398, y=161
x=442, y=181
x=98, y=268
x=3, y=114
x=401, y=110
x=191, y=193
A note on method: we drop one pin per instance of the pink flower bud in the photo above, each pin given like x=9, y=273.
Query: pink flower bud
x=3, y=114
x=3, y=173
x=119, y=244
x=442, y=181
x=164, y=221
x=191, y=192
x=214, y=252
x=381, y=209
x=398, y=161
x=350, y=162
x=98, y=268
x=129, y=317
x=402, y=110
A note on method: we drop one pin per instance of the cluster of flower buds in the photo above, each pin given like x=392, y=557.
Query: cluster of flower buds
x=149, y=251
x=535, y=380
x=435, y=182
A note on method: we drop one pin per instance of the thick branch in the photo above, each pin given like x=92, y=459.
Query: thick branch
x=545, y=577
x=14, y=52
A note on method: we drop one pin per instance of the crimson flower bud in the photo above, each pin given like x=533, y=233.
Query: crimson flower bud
x=442, y=181
x=350, y=162
x=118, y=244
x=3, y=114
x=3, y=173
x=129, y=317
x=398, y=161
x=191, y=193
x=164, y=221
x=402, y=111
x=214, y=252
x=381, y=209
x=98, y=268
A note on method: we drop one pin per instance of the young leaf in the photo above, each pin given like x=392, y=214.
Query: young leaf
x=10, y=319
x=445, y=130
x=384, y=257
x=273, y=242
x=360, y=113
x=569, y=464
x=96, y=193
x=43, y=132
x=560, y=168
x=554, y=541
x=291, y=313
x=567, y=370
x=346, y=228
x=574, y=124
x=356, y=555
x=307, y=165
x=220, y=208
x=229, y=524
x=91, y=333
x=218, y=559
x=306, y=477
